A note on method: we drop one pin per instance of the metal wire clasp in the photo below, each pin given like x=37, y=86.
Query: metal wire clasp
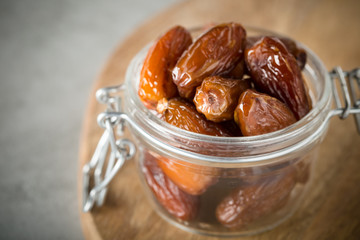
x=120, y=150
x=351, y=99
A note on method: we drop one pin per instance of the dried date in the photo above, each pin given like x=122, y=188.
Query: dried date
x=155, y=77
x=249, y=203
x=217, y=97
x=183, y=114
x=275, y=72
x=216, y=52
x=191, y=178
x=178, y=203
x=299, y=53
x=258, y=113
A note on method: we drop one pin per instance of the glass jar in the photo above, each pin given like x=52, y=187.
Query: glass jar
x=222, y=186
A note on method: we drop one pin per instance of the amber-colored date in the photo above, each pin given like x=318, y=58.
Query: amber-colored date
x=178, y=203
x=183, y=114
x=298, y=53
x=258, y=113
x=249, y=203
x=216, y=52
x=217, y=97
x=275, y=71
x=191, y=178
x=155, y=77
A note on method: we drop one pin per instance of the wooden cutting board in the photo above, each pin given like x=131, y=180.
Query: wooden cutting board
x=332, y=209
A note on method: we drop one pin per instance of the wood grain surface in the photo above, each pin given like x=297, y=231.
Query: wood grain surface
x=332, y=209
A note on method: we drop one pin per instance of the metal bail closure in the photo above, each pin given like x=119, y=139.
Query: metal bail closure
x=115, y=151
x=351, y=97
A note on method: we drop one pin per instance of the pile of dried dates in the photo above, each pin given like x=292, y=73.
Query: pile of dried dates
x=223, y=84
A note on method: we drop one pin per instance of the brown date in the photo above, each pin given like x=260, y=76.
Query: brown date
x=258, y=113
x=183, y=114
x=178, y=203
x=249, y=203
x=298, y=53
x=217, y=97
x=275, y=72
x=216, y=52
x=155, y=77
x=190, y=178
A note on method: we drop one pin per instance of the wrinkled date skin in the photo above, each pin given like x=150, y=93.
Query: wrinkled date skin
x=183, y=114
x=155, y=77
x=298, y=53
x=275, y=72
x=258, y=113
x=217, y=97
x=191, y=178
x=216, y=52
x=178, y=203
x=249, y=203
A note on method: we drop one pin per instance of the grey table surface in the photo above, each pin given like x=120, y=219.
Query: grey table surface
x=50, y=55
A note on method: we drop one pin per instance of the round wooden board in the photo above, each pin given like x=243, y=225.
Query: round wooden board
x=331, y=211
